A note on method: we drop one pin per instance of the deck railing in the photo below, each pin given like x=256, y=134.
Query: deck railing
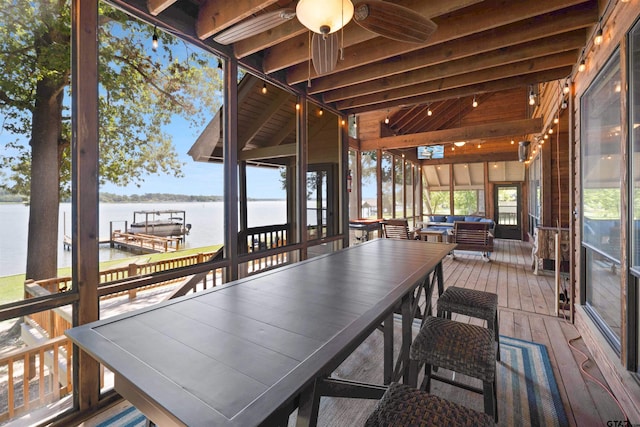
x=146, y=241
x=264, y=239
x=35, y=376
x=42, y=370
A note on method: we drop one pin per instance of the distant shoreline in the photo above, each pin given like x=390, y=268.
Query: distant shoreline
x=140, y=199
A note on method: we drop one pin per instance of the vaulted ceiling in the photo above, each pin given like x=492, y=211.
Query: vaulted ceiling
x=491, y=50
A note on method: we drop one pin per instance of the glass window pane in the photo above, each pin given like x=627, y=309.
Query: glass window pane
x=634, y=136
x=398, y=171
x=600, y=160
x=323, y=173
x=387, y=186
x=468, y=190
x=369, y=185
x=408, y=189
x=436, y=190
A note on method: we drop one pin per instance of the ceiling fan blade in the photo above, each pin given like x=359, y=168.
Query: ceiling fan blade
x=255, y=25
x=324, y=52
x=393, y=21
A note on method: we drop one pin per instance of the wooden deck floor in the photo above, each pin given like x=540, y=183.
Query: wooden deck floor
x=527, y=312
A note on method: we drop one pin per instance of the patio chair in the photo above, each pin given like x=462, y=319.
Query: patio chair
x=459, y=347
x=473, y=236
x=396, y=228
x=402, y=405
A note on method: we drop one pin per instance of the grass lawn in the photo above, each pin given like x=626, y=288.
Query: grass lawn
x=11, y=287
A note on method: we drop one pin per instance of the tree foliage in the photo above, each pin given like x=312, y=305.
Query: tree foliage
x=140, y=92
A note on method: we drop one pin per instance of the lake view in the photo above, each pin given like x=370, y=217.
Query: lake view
x=206, y=221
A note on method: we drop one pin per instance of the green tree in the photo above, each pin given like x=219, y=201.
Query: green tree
x=140, y=91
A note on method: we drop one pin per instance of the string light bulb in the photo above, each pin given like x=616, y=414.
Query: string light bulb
x=429, y=112
x=264, y=88
x=582, y=66
x=532, y=97
x=565, y=89
x=154, y=39
x=321, y=112
x=599, y=37
x=555, y=120
x=386, y=120
x=475, y=102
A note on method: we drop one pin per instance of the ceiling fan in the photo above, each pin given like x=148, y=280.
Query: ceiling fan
x=325, y=17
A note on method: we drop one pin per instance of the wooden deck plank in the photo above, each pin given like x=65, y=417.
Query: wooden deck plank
x=594, y=380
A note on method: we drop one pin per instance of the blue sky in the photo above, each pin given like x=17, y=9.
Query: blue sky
x=200, y=178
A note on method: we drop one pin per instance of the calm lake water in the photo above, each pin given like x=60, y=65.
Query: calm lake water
x=206, y=221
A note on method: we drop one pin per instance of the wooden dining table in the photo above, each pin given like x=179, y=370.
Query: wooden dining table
x=252, y=351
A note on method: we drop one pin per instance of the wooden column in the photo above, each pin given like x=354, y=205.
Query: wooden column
x=301, y=175
x=230, y=133
x=84, y=190
x=379, y=182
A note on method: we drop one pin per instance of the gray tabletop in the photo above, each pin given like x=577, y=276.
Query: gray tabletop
x=236, y=354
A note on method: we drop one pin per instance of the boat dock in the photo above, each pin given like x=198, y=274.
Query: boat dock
x=144, y=243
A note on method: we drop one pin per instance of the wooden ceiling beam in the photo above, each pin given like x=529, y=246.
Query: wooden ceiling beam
x=508, y=55
x=555, y=23
x=447, y=112
x=493, y=86
x=277, y=151
x=496, y=73
x=280, y=34
x=295, y=50
x=284, y=132
x=487, y=130
x=157, y=6
x=457, y=109
x=403, y=117
x=245, y=136
x=478, y=156
x=477, y=18
x=217, y=15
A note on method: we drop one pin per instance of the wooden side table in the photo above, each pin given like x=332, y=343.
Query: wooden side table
x=430, y=235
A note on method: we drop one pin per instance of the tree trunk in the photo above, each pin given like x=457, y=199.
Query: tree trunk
x=42, y=244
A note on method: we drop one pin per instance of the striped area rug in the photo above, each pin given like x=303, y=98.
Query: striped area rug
x=527, y=390
x=129, y=417
x=527, y=385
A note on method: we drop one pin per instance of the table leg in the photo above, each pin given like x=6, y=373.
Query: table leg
x=407, y=337
x=388, y=349
x=309, y=406
x=440, y=278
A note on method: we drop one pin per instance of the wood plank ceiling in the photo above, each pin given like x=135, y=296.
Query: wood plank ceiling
x=495, y=51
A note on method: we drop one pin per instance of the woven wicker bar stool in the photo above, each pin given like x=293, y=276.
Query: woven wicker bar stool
x=402, y=405
x=459, y=347
x=473, y=303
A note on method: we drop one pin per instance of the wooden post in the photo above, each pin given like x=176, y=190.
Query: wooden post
x=84, y=190
x=133, y=271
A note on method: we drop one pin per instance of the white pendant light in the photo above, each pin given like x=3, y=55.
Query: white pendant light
x=324, y=16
